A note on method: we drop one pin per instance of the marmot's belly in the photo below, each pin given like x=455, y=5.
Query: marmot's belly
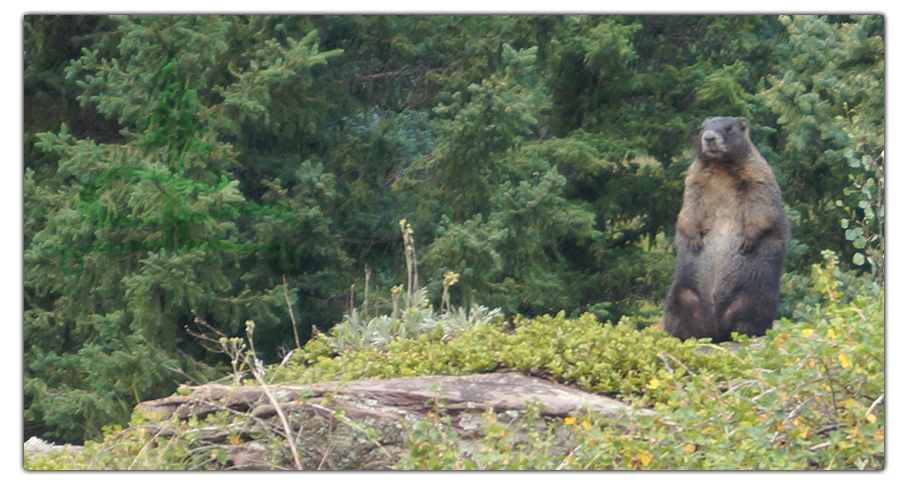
x=720, y=260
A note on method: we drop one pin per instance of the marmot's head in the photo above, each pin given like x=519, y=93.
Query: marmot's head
x=724, y=138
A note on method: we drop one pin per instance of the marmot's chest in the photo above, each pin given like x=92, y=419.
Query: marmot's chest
x=722, y=200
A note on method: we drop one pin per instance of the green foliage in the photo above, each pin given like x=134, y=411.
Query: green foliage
x=412, y=314
x=598, y=357
x=802, y=296
x=482, y=123
x=356, y=332
x=508, y=442
x=111, y=284
x=143, y=445
x=809, y=396
x=864, y=222
x=828, y=96
x=199, y=166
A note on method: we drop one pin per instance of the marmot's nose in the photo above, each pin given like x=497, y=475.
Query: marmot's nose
x=709, y=136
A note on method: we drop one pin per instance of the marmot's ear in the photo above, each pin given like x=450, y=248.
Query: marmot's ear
x=744, y=124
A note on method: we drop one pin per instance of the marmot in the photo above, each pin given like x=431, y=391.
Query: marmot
x=731, y=238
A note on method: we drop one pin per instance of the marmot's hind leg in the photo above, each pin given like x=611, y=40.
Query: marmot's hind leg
x=748, y=313
x=686, y=315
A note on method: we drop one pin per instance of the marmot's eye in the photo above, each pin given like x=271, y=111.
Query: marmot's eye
x=728, y=128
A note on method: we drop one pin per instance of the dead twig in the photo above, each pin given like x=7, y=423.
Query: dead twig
x=877, y=402
x=255, y=368
x=290, y=310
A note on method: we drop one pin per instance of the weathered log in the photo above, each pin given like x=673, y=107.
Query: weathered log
x=362, y=424
x=395, y=398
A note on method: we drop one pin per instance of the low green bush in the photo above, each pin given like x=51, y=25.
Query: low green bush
x=636, y=364
x=809, y=395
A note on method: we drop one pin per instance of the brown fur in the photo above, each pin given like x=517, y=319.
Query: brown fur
x=731, y=238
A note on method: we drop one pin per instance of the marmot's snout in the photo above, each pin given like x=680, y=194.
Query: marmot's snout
x=711, y=142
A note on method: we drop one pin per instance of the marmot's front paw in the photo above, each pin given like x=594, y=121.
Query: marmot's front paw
x=694, y=241
x=748, y=244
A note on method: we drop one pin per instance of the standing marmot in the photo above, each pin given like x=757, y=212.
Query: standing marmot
x=731, y=237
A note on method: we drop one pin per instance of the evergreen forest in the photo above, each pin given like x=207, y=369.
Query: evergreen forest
x=186, y=174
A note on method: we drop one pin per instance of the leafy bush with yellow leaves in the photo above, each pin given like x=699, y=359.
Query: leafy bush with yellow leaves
x=616, y=359
x=808, y=396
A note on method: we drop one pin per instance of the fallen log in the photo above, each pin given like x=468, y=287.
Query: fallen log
x=394, y=398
